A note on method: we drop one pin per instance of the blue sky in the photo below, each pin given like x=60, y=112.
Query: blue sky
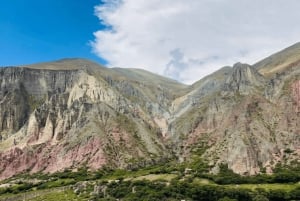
x=180, y=39
x=44, y=30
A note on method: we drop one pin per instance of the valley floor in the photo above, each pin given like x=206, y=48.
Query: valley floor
x=146, y=184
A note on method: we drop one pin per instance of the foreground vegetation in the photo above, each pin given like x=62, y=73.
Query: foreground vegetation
x=161, y=182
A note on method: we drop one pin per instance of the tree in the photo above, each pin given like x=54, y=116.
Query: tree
x=227, y=199
x=260, y=198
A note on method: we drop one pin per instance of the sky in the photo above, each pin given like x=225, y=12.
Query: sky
x=181, y=39
x=44, y=30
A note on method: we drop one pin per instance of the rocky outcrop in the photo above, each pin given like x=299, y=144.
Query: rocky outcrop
x=57, y=119
x=71, y=113
x=246, y=123
x=296, y=95
x=244, y=79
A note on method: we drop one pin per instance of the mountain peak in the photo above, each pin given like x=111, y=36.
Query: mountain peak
x=66, y=64
x=241, y=65
x=74, y=112
x=279, y=61
x=243, y=78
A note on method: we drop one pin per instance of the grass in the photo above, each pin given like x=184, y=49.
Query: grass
x=58, y=186
x=52, y=191
x=58, y=196
x=58, y=183
x=267, y=187
x=203, y=181
x=117, y=174
x=154, y=177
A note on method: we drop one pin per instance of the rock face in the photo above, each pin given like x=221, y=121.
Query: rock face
x=70, y=113
x=296, y=95
x=57, y=119
x=247, y=122
x=243, y=79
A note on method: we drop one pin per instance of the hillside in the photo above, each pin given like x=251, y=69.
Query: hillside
x=279, y=62
x=74, y=113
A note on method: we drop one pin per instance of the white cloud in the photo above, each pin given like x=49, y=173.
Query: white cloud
x=188, y=39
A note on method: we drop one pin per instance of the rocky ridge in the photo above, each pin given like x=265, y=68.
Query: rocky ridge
x=72, y=113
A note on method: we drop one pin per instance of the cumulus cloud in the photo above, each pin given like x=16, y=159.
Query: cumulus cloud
x=189, y=39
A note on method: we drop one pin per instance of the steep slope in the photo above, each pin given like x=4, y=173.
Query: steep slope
x=74, y=112
x=244, y=79
x=280, y=61
x=52, y=119
x=184, y=108
x=135, y=84
x=149, y=99
x=248, y=122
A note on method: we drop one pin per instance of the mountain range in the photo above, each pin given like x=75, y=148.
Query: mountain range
x=73, y=112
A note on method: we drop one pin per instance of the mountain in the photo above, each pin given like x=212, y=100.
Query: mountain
x=279, y=62
x=53, y=118
x=73, y=112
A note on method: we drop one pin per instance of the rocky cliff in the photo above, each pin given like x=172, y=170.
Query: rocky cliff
x=248, y=121
x=73, y=112
x=56, y=119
